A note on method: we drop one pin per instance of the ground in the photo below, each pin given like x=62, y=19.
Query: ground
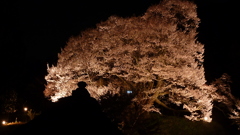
x=7, y=129
x=167, y=125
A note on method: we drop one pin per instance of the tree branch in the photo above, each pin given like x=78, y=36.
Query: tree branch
x=165, y=106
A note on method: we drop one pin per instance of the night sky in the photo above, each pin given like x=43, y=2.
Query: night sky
x=33, y=32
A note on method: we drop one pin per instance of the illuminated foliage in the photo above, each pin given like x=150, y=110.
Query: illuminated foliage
x=156, y=56
x=10, y=100
x=228, y=103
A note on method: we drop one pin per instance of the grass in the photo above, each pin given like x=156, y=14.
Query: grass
x=154, y=124
x=174, y=125
x=7, y=129
x=171, y=125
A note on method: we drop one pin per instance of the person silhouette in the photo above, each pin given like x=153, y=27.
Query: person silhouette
x=81, y=91
x=76, y=114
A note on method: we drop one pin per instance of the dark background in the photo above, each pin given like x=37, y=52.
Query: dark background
x=32, y=32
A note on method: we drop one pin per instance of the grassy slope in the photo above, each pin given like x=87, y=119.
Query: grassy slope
x=163, y=125
x=174, y=125
x=6, y=130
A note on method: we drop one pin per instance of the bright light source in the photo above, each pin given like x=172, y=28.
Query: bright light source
x=205, y=118
x=4, y=122
x=25, y=109
x=129, y=91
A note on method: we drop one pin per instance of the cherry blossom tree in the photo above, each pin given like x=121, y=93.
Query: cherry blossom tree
x=228, y=103
x=155, y=56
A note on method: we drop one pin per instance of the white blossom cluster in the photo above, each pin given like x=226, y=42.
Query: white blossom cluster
x=153, y=55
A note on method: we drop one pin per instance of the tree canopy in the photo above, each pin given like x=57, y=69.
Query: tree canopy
x=155, y=56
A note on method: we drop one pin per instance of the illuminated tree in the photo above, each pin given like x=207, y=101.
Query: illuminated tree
x=10, y=100
x=228, y=103
x=155, y=57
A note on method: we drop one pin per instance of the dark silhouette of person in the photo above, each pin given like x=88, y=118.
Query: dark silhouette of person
x=76, y=114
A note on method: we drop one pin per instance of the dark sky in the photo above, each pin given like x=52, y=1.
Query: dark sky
x=33, y=31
